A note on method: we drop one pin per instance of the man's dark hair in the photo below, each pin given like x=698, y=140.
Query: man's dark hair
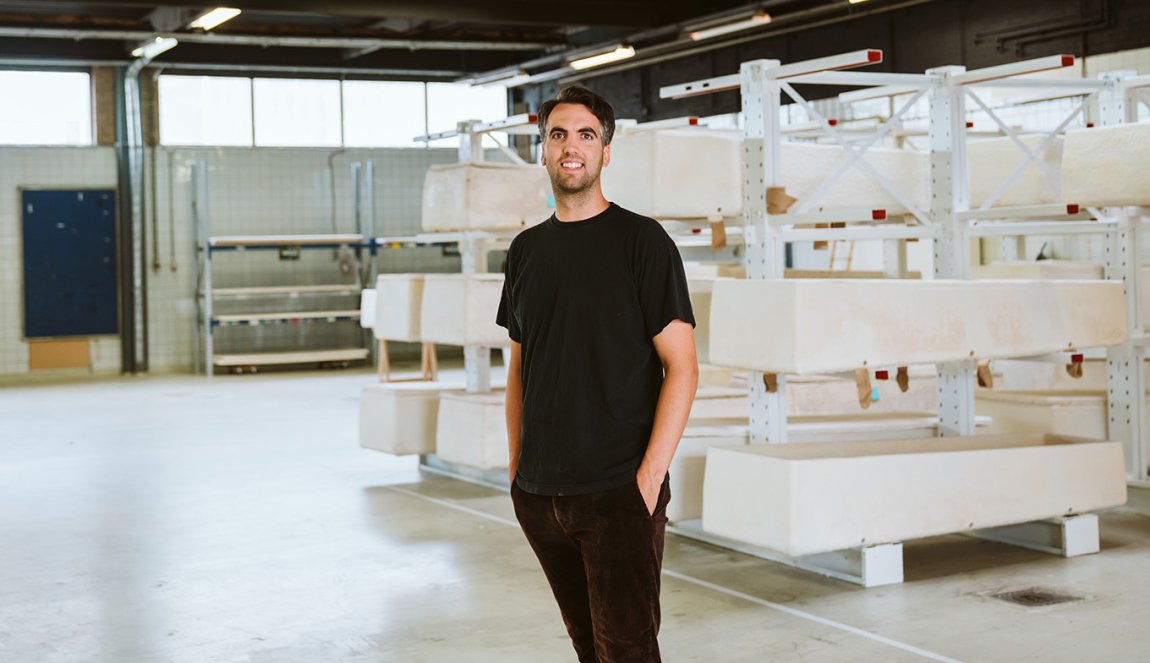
x=577, y=94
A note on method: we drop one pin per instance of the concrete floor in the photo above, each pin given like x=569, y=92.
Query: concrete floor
x=180, y=519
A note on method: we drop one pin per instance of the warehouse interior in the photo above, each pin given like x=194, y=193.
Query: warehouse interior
x=252, y=388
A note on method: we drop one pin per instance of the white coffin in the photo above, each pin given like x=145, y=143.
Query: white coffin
x=991, y=162
x=801, y=499
x=1039, y=270
x=1081, y=413
x=1041, y=376
x=1107, y=166
x=460, y=309
x=399, y=418
x=681, y=174
x=398, y=300
x=688, y=464
x=720, y=402
x=485, y=196
x=815, y=395
x=472, y=430
x=678, y=174
x=711, y=270
x=805, y=167
x=367, y=308
x=699, y=290
x=824, y=326
x=717, y=376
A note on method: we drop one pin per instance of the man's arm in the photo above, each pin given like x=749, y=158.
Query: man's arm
x=676, y=348
x=514, y=409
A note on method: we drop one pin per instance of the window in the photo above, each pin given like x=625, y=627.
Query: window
x=283, y=112
x=296, y=112
x=45, y=108
x=380, y=114
x=449, y=103
x=205, y=110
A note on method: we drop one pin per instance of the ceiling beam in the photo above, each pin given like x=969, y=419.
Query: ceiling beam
x=270, y=41
x=627, y=13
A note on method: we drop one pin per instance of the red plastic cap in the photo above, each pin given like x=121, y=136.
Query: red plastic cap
x=833, y=122
x=875, y=55
x=882, y=375
x=532, y=117
x=878, y=215
x=970, y=125
x=1072, y=209
x=696, y=231
x=694, y=121
x=1067, y=60
x=1077, y=359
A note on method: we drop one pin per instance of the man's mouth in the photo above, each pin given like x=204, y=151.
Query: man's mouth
x=570, y=165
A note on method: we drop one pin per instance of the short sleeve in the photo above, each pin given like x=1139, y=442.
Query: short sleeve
x=506, y=316
x=662, y=283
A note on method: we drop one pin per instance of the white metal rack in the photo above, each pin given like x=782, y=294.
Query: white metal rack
x=209, y=246
x=762, y=84
x=474, y=247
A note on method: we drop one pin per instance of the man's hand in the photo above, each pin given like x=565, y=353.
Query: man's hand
x=649, y=487
x=511, y=474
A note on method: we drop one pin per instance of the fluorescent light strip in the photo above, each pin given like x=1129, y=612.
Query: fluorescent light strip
x=759, y=18
x=620, y=53
x=214, y=17
x=154, y=47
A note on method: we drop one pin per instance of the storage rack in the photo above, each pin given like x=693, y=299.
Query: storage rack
x=208, y=246
x=762, y=84
x=473, y=247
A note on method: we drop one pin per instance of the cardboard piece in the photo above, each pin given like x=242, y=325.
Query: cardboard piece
x=56, y=353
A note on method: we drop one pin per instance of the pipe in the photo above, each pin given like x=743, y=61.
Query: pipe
x=80, y=64
x=290, y=42
x=681, y=47
x=124, y=235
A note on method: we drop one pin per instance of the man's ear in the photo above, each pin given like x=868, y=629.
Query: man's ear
x=606, y=156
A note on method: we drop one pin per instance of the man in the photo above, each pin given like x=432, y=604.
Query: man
x=600, y=381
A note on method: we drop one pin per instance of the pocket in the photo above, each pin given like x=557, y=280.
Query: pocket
x=643, y=502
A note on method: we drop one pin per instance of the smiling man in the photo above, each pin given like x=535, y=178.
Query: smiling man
x=599, y=387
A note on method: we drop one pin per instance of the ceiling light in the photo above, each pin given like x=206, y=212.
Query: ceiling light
x=753, y=21
x=855, y=2
x=153, y=47
x=498, y=76
x=620, y=53
x=211, y=19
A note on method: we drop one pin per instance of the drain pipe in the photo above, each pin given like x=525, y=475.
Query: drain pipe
x=136, y=338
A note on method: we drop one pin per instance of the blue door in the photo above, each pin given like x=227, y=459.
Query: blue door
x=70, y=263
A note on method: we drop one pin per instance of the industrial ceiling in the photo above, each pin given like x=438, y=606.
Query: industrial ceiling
x=390, y=39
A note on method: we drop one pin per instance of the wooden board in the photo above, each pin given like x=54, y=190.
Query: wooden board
x=46, y=354
x=304, y=357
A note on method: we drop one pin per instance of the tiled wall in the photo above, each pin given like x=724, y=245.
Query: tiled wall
x=250, y=191
x=38, y=168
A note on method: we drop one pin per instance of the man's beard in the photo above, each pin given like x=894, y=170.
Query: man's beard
x=575, y=187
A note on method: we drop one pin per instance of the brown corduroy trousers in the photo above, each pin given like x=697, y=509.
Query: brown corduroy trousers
x=603, y=555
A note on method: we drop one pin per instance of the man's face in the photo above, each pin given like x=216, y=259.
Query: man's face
x=573, y=150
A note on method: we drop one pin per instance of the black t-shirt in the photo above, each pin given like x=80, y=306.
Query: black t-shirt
x=585, y=298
